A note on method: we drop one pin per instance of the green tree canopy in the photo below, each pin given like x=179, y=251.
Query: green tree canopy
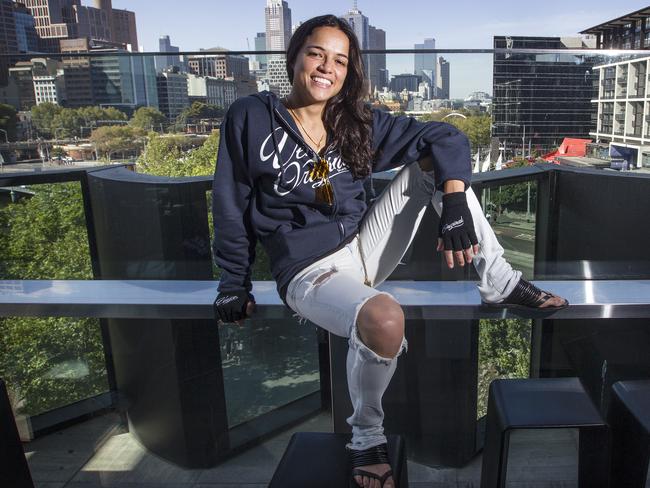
x=52, y=120
x=43, y=117
x=113, y=139
x=148, y=118
x=178, y=156
x=200, y=110
x=44, y=237
x=476, y=127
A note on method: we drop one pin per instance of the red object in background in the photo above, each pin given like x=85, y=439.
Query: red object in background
x=569, y=147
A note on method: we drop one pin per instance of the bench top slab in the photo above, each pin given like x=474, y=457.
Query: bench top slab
x=193, y=299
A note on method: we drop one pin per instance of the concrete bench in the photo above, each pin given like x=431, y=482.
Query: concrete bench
x=442, y=300
x=438, y=373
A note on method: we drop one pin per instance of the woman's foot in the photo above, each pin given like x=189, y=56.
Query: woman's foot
x=528, y=296
x=379, y=478
x=370, y=468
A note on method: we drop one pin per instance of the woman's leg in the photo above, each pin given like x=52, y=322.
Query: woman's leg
x=390, y=226
x=498, y=279
x=331, y=294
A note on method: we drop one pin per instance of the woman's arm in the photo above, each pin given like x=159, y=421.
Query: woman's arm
x=234, y=238
x=402, y=140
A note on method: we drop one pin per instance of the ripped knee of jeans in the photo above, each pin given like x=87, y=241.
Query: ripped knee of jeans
x=355, y=343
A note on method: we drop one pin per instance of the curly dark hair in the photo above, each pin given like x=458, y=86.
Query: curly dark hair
x=346, y=116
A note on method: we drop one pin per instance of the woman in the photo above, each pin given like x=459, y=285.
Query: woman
x=290, y=173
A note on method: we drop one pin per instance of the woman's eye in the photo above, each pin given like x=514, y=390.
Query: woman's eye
x=342, y=63
x=313, y=53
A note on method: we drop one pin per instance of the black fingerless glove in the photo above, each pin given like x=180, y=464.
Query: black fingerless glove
x=456, y=224
x=230, y=306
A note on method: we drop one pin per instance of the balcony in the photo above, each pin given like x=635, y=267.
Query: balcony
x=80, y=377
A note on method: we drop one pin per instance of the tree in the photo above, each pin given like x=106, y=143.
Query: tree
x=200, y=110
x=476, y=128
x=67, y=123
x=147, y=118
x=504, y=352
x=43, y=118
x=8, y=121
x=44, y=237
x=57, y=152
x=113, y=139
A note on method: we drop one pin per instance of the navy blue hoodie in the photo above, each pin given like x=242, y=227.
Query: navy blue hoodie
x=262, y=188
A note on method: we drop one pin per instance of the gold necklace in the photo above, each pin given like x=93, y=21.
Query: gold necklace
x=317, y=144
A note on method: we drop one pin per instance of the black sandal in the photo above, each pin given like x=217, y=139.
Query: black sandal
x=527, y=296
x=366, y=457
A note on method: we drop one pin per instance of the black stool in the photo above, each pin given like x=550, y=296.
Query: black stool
x=629, y=419
x=320, y=460
x=14, y=471
x=544, y=404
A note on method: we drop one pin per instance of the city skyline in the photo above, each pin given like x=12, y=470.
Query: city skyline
x=474, y=26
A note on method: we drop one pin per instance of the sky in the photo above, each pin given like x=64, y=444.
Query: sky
x=196, y=24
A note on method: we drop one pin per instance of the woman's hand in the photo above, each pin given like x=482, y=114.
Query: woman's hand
x=456, y=234
x=234, y=306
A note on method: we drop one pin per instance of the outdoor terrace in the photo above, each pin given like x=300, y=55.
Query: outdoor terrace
x=91, y=393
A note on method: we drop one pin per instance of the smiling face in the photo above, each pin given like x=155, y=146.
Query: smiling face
x=321, y=66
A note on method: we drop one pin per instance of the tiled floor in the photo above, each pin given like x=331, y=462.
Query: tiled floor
x=99, y=454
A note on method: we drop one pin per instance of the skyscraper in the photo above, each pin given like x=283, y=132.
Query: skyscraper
x=278, y=33
x=68, y=19
x=8, y=42
x=442, y=79
x=25, y=29
x=55, y=20
x=165, y=46
x=278, y=25
x=260, y=45
x=425, y=64
x=541, y=99
x=360, y=25
x=377, y=73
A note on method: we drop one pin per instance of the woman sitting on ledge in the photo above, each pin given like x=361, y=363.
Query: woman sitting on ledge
x=290, y=173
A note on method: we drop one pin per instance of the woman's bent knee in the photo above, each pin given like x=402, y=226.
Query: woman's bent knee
x=380, y=324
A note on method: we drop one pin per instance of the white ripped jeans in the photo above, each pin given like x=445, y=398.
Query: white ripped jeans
x=331, y=292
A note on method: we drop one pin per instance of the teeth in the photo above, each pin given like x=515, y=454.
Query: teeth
x=322, y=80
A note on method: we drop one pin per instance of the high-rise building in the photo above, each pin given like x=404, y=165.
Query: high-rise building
x=442, y=79
x=623, y=100
x=8, y=42
x=377, y=73
x=630, y=31
x=361, y=27
x=68, y=19
x=24, y=73
x=214, y=91
x=539, y=99
x=359, y=24
x=78, y=82
x=50, y=88
x=278, y=25
x=55, y=20
x=260, y=45
x=169, y=60
x=124, y=28
x=278, y=32
x=406, y=82
x=425, y=65
x=172, y=92
x=219, y=65
x=26, y=35
x=125, y=82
